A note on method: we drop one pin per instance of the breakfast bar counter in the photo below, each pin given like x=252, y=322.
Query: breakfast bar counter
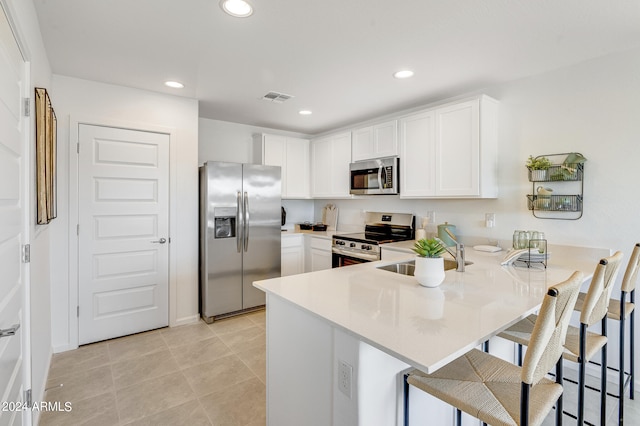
x=337, y=340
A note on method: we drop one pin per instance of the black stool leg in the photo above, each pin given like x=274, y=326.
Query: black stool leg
x=603, y=378
x=519, y=355
x=525, y=391
x=581, y=374
x=559, y=379
x=621, y=363
x=458, y=417
x=632, y=346
x=406, y=400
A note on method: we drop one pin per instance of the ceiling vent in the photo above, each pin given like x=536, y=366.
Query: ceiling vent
x=277, y=97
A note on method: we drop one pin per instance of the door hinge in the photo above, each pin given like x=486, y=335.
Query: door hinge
x=78, y=311
x=78, y=229
x=78, y=147
x=26, y=253
x=27, y=398
x=26, y=105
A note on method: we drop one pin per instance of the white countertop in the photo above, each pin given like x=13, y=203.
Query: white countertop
x=426, y=328
x=321, y=234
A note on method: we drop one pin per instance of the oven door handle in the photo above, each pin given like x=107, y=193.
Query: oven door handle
x=356, y=255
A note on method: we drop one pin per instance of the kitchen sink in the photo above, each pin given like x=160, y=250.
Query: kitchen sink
x=407, y=268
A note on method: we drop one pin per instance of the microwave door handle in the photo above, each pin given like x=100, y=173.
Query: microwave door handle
x=238, y=221
x=381, y=182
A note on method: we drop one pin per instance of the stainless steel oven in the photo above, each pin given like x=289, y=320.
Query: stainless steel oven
x=345, y=252
x=380, y=228
x=374, y=177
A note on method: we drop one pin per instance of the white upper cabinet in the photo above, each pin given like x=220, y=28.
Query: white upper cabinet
x=292, y=155
x=450, y=151
x=330, y=158
x=417, y=155
x=378, y=141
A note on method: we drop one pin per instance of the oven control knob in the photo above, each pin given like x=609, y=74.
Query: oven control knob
x=339, y=243
x=366, y=247
x=352, y=245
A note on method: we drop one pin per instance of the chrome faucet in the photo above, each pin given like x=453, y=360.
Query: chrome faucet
x=459, y=254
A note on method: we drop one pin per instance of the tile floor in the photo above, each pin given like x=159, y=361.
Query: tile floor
x=190, y=375
x=194, y=375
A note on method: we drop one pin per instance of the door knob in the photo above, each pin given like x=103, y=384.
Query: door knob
x=160, y=241
x=7, y=332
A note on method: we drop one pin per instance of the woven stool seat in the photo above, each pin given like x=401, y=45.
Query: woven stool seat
x=594, y=343
x=488, y=388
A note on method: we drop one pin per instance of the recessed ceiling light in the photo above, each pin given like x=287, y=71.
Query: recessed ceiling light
x=237, y=8
x=403, y=74
x=305, y=112
x=174, y=84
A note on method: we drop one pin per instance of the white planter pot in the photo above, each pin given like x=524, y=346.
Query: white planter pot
x=538, y=175
x=429, y=271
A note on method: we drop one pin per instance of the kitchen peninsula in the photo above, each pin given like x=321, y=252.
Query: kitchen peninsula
x=337, y=340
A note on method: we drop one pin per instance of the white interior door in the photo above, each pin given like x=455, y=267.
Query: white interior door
x=14, y=207
x=123, y=233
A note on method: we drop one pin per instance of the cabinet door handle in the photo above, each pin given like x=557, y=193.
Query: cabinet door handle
x=160, y=241
x=8, y=332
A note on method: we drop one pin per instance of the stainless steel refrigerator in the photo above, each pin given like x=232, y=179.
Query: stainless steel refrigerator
x=240, y=216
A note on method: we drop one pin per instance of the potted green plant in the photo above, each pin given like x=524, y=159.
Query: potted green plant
x=429, y=264
x=538, y=167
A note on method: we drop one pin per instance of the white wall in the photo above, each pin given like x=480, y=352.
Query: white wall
x=99, y=103
x=225, y=141
x=23, y=18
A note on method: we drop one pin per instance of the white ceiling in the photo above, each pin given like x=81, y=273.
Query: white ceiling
x=335, y=57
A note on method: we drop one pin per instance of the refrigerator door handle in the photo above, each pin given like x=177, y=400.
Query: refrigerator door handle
x=238, y=221
x=246, y=221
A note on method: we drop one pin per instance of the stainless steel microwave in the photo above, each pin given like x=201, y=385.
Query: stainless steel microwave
x=374, y=177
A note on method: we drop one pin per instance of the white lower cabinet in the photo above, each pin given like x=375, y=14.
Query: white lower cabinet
x=320, y=253
x=292, y=255
x=450, y=151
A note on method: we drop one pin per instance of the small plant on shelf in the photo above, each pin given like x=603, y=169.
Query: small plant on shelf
x=538, y=163
x=428, y=248
x=538, y=167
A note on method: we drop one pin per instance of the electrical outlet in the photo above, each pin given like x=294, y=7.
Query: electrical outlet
x=489, y=220
x=345, y=373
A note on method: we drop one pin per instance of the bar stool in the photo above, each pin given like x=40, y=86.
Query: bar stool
x=582, y=345
x=620, y=310
x=487, y=387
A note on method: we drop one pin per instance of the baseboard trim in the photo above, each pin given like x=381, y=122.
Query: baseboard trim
x=192, y=319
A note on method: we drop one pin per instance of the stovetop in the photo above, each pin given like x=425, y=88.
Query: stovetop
x=372, y=238
x=381, y=228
